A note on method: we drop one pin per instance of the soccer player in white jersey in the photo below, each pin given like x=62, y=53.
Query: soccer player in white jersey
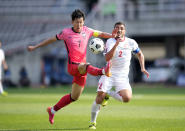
x=2, y=62
x=119, y=51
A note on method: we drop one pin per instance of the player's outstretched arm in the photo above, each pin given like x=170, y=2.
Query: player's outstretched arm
x=142, y=63
x=104, y=34
x=44, y=43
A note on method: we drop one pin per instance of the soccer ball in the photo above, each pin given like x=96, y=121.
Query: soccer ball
x=96, y=45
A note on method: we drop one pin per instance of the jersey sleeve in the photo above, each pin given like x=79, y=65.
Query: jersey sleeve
x=94, y=33
x=135, y=48
x=60, y=36
x=91, y=31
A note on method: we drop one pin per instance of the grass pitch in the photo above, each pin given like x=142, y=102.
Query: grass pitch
x=152, y=108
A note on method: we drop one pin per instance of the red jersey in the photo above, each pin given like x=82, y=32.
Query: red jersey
x=76, y=43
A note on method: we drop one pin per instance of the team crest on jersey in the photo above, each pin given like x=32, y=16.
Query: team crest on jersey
x=83, y=34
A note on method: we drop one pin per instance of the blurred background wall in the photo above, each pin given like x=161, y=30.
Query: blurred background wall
x=157, y=26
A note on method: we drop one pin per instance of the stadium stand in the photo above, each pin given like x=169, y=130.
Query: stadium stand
x=24, y=22
x=23, y=19
x=157, y=25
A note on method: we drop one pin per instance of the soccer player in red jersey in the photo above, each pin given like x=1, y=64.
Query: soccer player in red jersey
x=76, y=41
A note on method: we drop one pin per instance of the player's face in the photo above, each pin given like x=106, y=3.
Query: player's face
x=78, y=24
x=121, y=31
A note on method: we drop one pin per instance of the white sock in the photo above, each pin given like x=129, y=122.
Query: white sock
x=53, y=111
x=115, y=95
x=94, y=111
x=1, y=88
x=103, y=71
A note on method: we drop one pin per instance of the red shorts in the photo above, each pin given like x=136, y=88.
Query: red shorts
x=77, y=77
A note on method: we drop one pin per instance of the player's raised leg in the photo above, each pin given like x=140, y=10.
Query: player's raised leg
x=83, y=68
x=65, y=100
x=51, y=113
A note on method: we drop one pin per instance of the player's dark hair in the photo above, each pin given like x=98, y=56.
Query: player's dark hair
x=119, y=23
x=77, y=14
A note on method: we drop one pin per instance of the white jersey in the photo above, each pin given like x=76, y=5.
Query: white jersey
x=2, y=57
x=122, y=57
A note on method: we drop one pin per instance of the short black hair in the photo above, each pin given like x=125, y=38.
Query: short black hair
x=119, y=23
x=77, y=14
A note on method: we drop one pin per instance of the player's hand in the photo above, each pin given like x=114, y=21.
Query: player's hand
x=114, y=33
x=119, y=40
x=31, y=48
x=146, y=73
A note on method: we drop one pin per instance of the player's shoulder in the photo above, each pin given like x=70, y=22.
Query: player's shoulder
x=85, y=28
x=130, y=40
x=67, y=29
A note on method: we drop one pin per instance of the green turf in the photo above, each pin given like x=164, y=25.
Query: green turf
x=152, y=108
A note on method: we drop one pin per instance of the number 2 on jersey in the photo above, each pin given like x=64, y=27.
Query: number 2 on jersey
x=120, y=53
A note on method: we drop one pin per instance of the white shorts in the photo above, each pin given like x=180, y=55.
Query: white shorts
x=105, y=83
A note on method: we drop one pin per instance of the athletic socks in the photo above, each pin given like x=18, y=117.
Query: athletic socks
x=52, y=110
x=94, y=111
x=64, y=101
x=94, y=70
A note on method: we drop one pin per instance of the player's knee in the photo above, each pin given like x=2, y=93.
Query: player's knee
x=74, y=98
x=126, y=99
x=82, y=68
x=99, y=99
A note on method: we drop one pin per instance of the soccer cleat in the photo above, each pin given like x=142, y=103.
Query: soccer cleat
x=92, y=125
x=4, y=93
x=51, y=116
x=107, y=69
x=105, y=101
